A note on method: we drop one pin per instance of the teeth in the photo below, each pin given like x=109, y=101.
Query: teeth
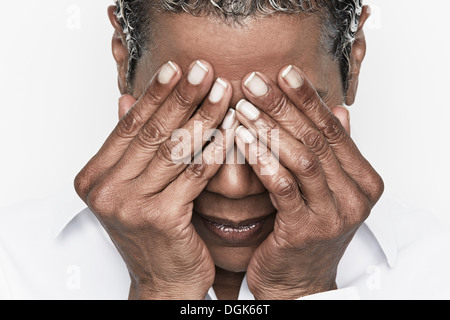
x=239, y=229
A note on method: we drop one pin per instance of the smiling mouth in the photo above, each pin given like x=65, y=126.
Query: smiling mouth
x=236, y=232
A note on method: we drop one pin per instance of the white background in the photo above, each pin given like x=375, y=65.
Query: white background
x=58, y=96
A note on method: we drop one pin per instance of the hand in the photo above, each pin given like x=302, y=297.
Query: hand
x=143, y=198
x=322, y=187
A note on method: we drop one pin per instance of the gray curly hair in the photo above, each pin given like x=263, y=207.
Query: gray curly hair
x=339, y=29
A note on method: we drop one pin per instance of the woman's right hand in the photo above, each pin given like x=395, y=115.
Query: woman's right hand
x=143, y=197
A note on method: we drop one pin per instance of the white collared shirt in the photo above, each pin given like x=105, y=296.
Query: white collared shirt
x=57, y=249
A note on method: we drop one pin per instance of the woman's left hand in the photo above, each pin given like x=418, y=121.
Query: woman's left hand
x=322, y=187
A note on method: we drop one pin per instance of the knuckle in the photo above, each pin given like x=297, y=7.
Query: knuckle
x=169, y=151
x=195, y=171
x=129, y=124
x=207, y=115
x=85, y=179
x=311, y=100
x=268, y=127
x=315, y=141
x=81, y=184
x=378, y=183
x=279, y=106
x=332, y=129
x=152, y=134
x=308, y=164
x=376, y=186
x=358, y=209
x=286, y=187
x=268, y=131
x=182, y=98
x=152, y=96
x=299, y=129
x=101, y=199
x=263, y=156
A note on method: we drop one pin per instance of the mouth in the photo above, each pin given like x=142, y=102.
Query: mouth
x=237, y=232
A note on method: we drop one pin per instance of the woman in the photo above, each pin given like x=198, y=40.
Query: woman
x=231, y=172
x=249, y=69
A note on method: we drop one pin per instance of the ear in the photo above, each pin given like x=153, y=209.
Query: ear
x=357, y=57
x=119, y=50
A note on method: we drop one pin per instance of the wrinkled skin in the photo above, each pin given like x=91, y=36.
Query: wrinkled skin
x=314, y=199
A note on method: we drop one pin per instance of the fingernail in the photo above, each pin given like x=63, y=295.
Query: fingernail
x=197, y=73
x=167, y=72
x=229, y=120
x=292, y=77
x=247, y=109
x=245, y=135
x=218, y=90
x=256, y=85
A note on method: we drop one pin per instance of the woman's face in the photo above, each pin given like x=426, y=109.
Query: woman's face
x=234, y=213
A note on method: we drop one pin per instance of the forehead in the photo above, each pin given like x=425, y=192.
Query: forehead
x=264, y=44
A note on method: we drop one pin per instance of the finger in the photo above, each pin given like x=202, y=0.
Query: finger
x=343, y=114
x=310, y=199
x=266, y=95
x=303, y=95
x=128, y=126
x=279, y=182
x=126, y=102
x=191, y=182
x=292, y=154
x=176, y=153
x=173, y=114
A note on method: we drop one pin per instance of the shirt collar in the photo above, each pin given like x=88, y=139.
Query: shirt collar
x=68, y=205
x=381, y=225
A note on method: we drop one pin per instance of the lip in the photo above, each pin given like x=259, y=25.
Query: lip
x=235, y=232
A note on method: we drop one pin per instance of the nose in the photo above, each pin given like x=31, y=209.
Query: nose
x=235, y=180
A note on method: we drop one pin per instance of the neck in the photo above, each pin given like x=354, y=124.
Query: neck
x=227, y=284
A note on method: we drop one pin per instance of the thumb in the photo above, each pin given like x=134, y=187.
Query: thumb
x=343, y=114
x=125, y=103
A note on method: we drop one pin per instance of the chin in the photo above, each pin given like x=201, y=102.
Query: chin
x=233, y=259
